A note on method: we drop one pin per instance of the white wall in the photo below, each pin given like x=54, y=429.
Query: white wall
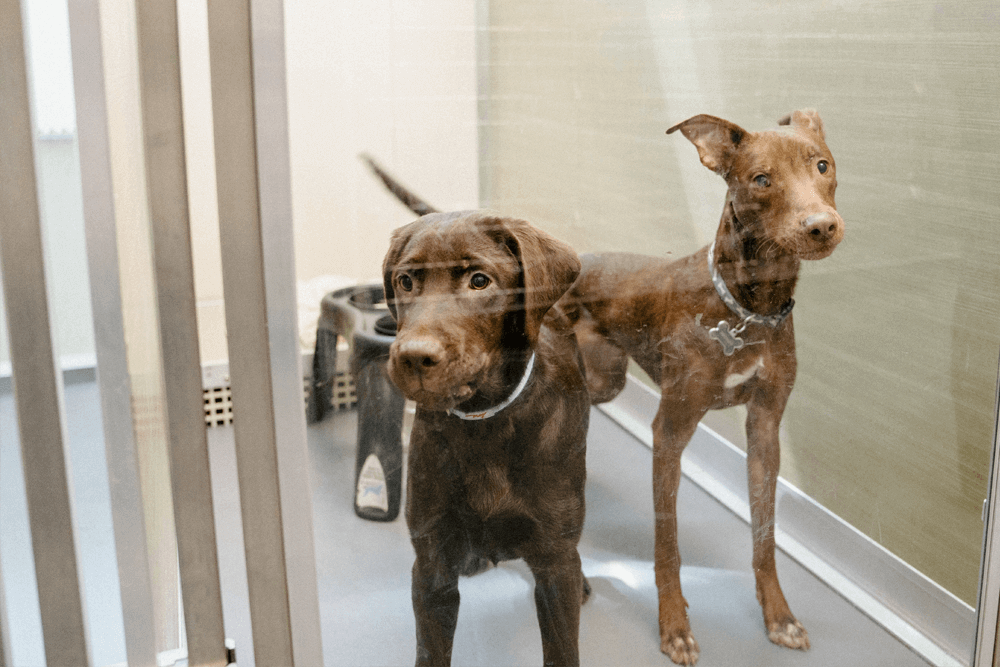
x=58, y=173
x=393, y=78
x=397, y=79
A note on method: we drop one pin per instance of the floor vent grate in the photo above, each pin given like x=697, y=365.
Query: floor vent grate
x=218, y=394
x=219, y=406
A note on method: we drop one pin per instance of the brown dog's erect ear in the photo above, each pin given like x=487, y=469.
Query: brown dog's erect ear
x=807, y=119
x=548, y=265
x=716, y=140
x=397, y=243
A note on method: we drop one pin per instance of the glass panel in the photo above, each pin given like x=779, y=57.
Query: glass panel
x=890, y=423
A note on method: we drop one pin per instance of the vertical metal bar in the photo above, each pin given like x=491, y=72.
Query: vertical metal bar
x=159, y=68
x=109, y=333
x=138, y=295
x=274, y=175
x=483, y=90
x=37, y=385
x=246, y=324
x=988, y=609
x=5, y=659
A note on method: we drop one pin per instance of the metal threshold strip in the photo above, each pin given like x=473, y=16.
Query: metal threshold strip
x=913, y=608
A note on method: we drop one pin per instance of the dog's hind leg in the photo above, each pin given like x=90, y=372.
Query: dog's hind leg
x=606, y=364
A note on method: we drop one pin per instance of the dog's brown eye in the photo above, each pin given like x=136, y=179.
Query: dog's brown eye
x=822, y=165
x=762, y=180
x=479, y=281
x=406, y=283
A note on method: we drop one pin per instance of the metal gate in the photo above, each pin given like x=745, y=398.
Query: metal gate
x=246, y=41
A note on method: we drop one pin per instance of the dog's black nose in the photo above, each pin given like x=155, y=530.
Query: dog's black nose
x=821, y=226
x=420, y=354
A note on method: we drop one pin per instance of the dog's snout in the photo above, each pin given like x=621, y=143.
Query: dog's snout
x=822, y=226
x=420, y=354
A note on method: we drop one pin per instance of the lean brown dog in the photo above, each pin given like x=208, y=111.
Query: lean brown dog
x=497, y=453
x=714, y=330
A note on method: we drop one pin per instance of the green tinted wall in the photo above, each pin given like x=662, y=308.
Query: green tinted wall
x=890, y=424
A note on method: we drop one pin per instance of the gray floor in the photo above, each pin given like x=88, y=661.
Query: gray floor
x=363, y=568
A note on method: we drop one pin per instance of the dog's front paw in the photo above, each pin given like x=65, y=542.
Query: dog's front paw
x=680, y=647
x=790, y=633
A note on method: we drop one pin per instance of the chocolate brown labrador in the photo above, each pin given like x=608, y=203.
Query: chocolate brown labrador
x=714, y=330
x=497, y=452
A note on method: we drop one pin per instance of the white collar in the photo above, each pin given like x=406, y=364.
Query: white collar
x=486, y=414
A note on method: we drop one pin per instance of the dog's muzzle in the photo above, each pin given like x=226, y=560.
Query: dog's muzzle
x=425, y=372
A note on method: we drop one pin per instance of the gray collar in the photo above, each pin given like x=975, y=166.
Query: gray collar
x=746, y=316
x=486, y=414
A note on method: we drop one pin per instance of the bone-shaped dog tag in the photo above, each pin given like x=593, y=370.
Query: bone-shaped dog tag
x=727, y=338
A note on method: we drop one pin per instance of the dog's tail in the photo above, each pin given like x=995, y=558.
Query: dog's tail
x=409, y=200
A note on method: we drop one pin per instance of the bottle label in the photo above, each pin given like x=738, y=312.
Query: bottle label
x=372, y=490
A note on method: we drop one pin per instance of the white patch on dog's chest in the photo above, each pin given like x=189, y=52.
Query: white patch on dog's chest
x=736, y=379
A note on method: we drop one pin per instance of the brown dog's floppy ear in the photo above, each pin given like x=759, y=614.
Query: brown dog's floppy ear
x=397, y=243
x=548, y=266
x=716, y=140
x=807, y=119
